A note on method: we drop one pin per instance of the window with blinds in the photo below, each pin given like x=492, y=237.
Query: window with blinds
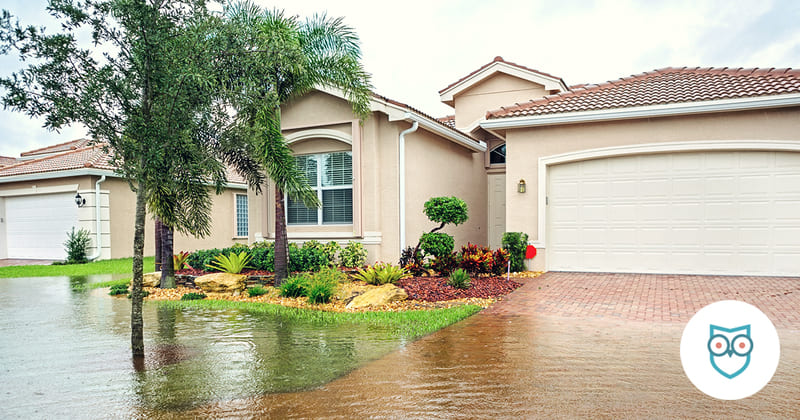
x=241, y=215
x=331, y=176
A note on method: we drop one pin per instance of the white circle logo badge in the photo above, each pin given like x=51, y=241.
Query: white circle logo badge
x=730, y=350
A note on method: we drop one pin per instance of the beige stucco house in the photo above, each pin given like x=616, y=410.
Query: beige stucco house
x=679, y=170
x=38, y=206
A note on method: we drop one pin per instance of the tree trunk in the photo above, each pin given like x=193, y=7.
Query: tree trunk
x=137, y=325
x=281, y=241
x=167, y=266
x=158, y=243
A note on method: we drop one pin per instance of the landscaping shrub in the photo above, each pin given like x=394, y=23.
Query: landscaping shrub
x=353, y=255
x=321, y=288
x=459, y=279
x=445, y=264
x=500, y=261
x=295, y=286
x=232, y=263
x=380, y=273
x=193, y=296
x=76, y=245
x=118, y=289
x=329, y=249
x=446, y=210
x=305, y=259
x=476, y=259
x=515, y=243
x=263, y=257
x=437, y=243
x=199, y=260
x=256, y=291
x=412, y=260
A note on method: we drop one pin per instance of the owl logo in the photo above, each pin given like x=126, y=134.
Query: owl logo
x=730, y=349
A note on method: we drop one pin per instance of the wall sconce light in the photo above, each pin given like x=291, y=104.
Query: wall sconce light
x=80, y=201
x=521, y=186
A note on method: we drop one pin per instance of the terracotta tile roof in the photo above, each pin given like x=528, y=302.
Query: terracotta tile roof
x=449, y=121
x=61, y=147
x=85, y=157
x=500, y=60
x=659, y=87
x=417, y=111
x=5, y=161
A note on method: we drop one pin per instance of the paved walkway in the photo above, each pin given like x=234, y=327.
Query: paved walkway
x=650, y=297
x=11, y=261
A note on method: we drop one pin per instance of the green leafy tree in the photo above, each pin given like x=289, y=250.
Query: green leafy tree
x=147, y=89
x=442, y=210
x=287, y=58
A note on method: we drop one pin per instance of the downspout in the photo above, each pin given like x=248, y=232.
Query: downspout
x=402, y=170
x=99, y=225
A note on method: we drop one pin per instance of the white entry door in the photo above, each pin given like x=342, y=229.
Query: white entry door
x=497, y=209
x=37, y=225
x=731, y=213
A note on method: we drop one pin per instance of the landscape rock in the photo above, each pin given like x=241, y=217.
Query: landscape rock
x=378, y=296
x=221, y=283
x=348, y=291
x=151, y=279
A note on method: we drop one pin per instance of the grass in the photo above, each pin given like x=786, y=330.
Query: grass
x=407, y=324
x=117, y=266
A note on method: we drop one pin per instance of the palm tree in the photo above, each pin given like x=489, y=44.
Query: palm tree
x=288, y=58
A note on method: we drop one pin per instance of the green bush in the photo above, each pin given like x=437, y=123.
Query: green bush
x=295, y=286
x=380, y=273
x=437, y=243
x=445, y=264
x=516, y=243
x=118, y=289
x=76, y=245
x=199, y=260
x=263, y=257
x=446, y=210
x=193, y=296
x=329, y=249
x=321, y=288
x=459, y=279
x=305, y=259
x=256, y=291
x=232, y=263
x=353, y=255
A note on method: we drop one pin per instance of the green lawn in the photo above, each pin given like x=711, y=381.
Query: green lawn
x=118, y=266
x=407, y=324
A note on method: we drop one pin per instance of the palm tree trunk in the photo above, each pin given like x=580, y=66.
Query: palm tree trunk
x=158, y=243
x=137, y=325
x=167, y=250
x=281, y=241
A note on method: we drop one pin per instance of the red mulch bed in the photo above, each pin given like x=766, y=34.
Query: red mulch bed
x=198, y=273
x=435, y=289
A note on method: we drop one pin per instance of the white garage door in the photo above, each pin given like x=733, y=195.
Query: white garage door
x=693, y=213
x=37, y=225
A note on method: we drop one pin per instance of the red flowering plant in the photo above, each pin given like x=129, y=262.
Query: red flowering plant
x=500, y=261
x=476, y=259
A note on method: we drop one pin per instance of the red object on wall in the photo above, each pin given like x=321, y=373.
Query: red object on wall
x=530, y=252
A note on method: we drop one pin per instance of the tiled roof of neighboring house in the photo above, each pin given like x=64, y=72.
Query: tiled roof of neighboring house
x=500, y=60
x=84, y=157
x=664, y=86
x=5, y=161
x=449, y=121
x=56, y=148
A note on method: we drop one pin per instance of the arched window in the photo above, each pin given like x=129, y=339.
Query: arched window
x=498, y=155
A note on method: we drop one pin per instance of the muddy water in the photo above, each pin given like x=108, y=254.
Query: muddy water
x=71, y=360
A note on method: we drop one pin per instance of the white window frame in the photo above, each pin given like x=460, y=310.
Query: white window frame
x=236, y=215
x=319, y=189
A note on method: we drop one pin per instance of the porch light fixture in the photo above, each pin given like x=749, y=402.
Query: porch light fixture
x=521, y=186
x=80, y=201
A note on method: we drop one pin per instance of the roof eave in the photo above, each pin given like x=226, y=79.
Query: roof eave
x=684, y=108
x=447, y=96
x=37, y=176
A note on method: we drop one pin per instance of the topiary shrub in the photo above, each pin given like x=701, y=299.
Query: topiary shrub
x=437, y=243
x=76, y=245
x=459, y=279
x=446, y=210
x=353, y=255
x=516, y=243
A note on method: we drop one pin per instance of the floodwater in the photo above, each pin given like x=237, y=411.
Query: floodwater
x=491, y=365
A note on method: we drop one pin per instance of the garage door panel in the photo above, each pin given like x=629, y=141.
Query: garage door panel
x=694, y=213
x=37, y=225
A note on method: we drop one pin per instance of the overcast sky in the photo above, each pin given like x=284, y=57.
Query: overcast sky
x=415, y=48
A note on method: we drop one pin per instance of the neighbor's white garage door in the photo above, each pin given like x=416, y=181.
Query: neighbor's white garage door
x=37, y=225
x=697, y=213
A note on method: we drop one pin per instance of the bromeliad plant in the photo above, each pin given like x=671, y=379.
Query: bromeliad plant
x=233, y=263
x=179, y=260
x=459, y=279
x=380, y=273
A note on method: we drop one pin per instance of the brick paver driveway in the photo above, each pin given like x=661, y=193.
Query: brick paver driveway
x=652, y=297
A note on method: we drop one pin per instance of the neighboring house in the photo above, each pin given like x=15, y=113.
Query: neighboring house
x=38, y=206
x=679, y=170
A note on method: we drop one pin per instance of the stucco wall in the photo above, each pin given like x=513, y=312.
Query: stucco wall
x=492, y=93
x=526, y=146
